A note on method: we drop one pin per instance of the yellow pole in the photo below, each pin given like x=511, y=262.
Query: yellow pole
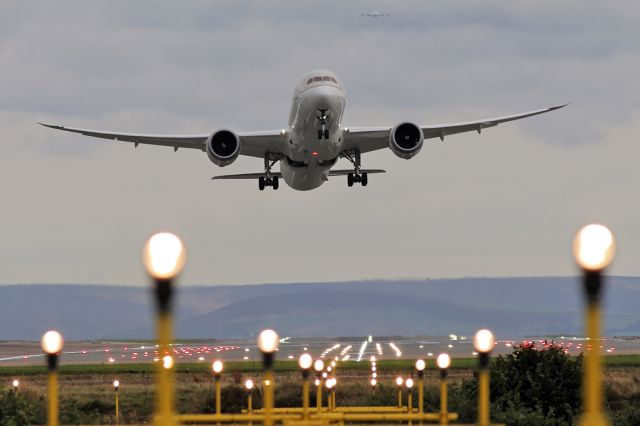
x=399, y=397
x=250, y=405
x=268, y=397
x=410, y=404
x=165, y=388
x=117, y=413
x=305, y=398
x=52, y=415
x=218, y=396
x=333, y=398
x=483, y=397
x=319, y=397
x=421, y=394
x=444, y=414
x=593, y=371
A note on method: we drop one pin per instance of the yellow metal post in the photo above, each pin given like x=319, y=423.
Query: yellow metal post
x=399, y=397
x=268, y=397
x=117, y=411
x=165, y=371
x=483, y=397
x=592, y=384
x=218, y=396
x=333, y=398
x=319, y=397
x=410, y=403
x=250, y=405
x=305, y=398
x=421, y=394
x=52, y=394
x=444, y=414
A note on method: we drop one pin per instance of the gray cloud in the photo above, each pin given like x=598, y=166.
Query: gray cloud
x=504, y=203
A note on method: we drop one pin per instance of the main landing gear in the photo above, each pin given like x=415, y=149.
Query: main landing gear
x=356, y=176
x=268, y=179
x=323, y=132
x=353, y=177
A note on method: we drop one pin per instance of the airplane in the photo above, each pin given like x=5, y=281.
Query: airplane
x=374, y=14
x=314, y=140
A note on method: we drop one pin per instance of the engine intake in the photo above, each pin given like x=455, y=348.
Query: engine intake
x=223, y=147
x=406, y=140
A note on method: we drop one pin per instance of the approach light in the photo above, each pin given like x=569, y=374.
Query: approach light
x=409, y=383
x=333, y=364
x=374, y=382
x=443, y=361
x=268, y=341
x=52, y=342
x=421, y=365
x=317, y=382
x=484, y=341
x=15, y=383
x=305, y=361
x=248, y=384
x=164, y=256
x=217, y=367
x=399, y=381
x=167, y=362
x=116, y=384
x=318, y=365
x=594, y=247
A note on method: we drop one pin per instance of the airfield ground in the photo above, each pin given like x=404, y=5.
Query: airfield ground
x=20, y=353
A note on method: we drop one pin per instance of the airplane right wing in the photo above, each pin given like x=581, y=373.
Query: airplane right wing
x=366, y=139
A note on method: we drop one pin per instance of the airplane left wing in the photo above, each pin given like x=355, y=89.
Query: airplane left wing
x=366, y=139
x=253, y=144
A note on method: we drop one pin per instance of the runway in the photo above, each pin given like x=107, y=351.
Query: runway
x=16, y=353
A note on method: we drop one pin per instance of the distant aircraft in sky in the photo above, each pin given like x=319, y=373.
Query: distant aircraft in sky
x=375, y=14
x=309, y=147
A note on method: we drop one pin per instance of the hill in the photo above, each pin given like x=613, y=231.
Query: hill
x=510, y=306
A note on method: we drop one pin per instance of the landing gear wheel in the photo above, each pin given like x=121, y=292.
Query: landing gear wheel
x=350, y=179
x=320, y=133
x=364, y=180
x=275, y=183
x=326, y=134
x=261, y=183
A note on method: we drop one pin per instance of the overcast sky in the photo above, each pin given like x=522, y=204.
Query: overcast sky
x=507, y=202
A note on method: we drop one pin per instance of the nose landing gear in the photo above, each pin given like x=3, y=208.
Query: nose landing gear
x=323, y=131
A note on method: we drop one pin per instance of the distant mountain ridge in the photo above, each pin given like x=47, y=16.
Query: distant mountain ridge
x=510, y=306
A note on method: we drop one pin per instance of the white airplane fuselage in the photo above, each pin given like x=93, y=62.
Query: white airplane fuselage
x=309, y=154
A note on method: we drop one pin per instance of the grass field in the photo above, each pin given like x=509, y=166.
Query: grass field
x=253, y=367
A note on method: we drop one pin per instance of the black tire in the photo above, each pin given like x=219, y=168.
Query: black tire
x=275, y=183
x=364, y=179
x=350, y=179
x=319, y=134
x=326, y=134
x=261, y=183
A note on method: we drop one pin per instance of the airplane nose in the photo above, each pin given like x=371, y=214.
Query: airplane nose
x=326, y=96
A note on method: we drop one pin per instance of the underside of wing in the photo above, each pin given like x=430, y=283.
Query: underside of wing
x=242, y=176
x=253, y=144
x=175, y=141
x=366, y=139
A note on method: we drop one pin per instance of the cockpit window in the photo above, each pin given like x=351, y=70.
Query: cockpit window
x=334, y=80
x=326, y=78
x=310, y=81
x=317, y=78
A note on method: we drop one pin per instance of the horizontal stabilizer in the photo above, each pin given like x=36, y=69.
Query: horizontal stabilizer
x=346, y=172
x=246, y=176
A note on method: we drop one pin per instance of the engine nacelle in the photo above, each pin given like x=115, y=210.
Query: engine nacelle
x=405, y=140
x=223, y=147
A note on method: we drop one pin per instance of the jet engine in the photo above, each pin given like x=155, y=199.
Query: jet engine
x=405, y=140
x=223, y=147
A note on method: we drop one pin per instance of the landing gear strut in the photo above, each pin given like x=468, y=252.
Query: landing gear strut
x=268, y=179
x=356, y=176
x=323, y=132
